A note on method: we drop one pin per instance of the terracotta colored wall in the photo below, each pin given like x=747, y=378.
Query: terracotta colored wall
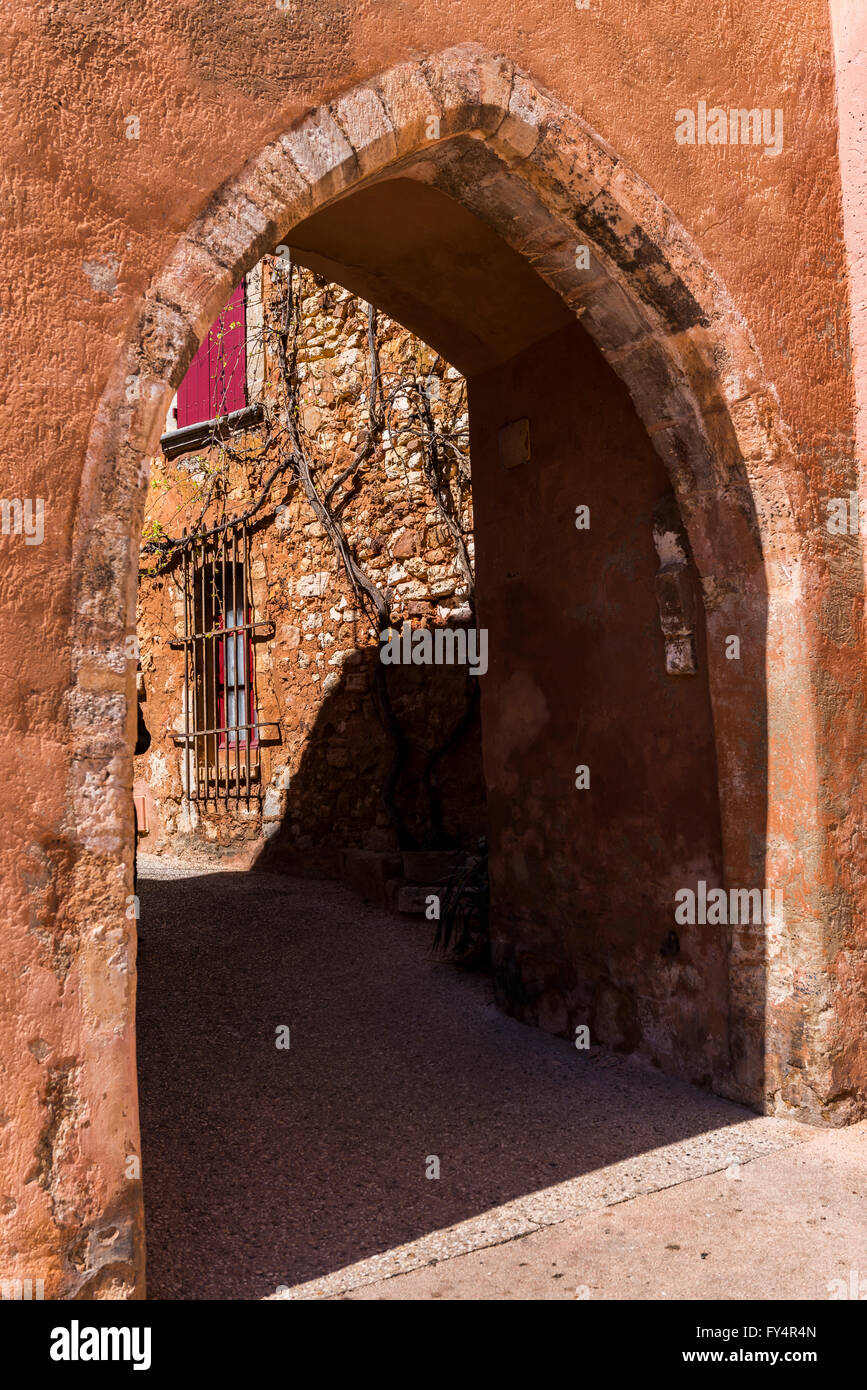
x=94, y=218
x=584, y=880
x=849, y=25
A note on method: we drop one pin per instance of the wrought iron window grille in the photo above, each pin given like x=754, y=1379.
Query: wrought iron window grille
x=223, y=736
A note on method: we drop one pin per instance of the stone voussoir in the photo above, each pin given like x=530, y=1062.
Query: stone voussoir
x=323, y=155
x=234, y=229
x=195, y=283
x=472, y=88
x=362, y=117
x=410, y=104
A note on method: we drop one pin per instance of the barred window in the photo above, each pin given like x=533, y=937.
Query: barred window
x=222, y=734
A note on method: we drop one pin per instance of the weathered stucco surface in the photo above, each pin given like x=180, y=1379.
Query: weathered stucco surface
x=717, y=286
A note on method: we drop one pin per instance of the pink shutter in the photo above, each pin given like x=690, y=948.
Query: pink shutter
x=216, y=380
x=228, y=357
x=193, y=390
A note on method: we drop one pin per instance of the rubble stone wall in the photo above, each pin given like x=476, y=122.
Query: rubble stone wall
x=320, y=788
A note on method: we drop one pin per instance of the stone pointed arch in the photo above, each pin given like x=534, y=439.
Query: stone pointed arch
x=516, y=157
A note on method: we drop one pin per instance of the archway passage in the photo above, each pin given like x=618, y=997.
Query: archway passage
x=584, y=868
x=469, y=129
x=583, y=875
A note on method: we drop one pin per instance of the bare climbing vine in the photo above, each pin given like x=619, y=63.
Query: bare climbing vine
x=407, y=417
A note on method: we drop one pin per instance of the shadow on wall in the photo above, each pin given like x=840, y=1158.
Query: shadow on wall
x=584, y=878
x=585, y=866
x=266, y=1166
x=335, y=798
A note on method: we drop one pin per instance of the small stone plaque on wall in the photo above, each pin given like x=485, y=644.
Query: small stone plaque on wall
x=514, y=443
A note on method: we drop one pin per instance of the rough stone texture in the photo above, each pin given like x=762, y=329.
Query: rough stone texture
x=849, y=30
x=740, y=272
x=321, y=780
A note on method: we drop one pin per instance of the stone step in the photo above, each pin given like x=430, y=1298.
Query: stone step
x=412, y=897
x=431, y=865
x=369, y=872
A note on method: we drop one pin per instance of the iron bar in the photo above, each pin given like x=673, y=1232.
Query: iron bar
x=218, y=610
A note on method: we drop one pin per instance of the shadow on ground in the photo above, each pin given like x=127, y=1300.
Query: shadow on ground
x=266, y=1167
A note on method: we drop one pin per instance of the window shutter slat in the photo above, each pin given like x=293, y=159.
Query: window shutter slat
x=193, y=390
x=231, y=378
x=216, y=380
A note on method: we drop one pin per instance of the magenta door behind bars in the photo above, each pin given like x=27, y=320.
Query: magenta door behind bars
x=215, y=383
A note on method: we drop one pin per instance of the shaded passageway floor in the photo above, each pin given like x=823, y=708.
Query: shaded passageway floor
x=266, y=1168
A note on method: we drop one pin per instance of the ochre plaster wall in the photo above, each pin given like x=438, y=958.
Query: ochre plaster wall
x=95, y=216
